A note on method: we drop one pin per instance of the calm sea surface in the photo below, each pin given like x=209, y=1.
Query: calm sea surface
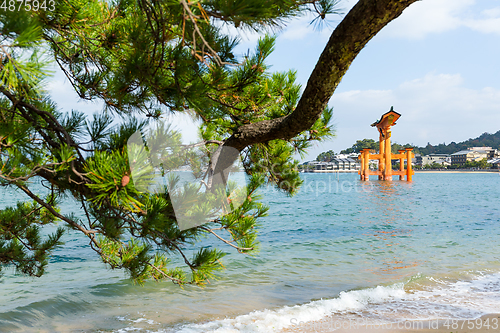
x=378, y=250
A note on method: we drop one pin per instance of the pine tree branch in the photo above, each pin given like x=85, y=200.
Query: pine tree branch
x=51, y=209
x=34, y=172
x=47, y=116
x=131, y=220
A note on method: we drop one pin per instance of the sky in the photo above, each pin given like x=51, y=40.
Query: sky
x=437, y=64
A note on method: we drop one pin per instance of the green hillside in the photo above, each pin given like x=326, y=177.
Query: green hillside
x=484, y=140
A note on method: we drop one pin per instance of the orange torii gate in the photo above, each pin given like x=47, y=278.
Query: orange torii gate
x=385, y=156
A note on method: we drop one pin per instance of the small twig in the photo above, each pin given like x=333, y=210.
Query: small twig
x=226, y=241
x=202, y=143
x=168, y=276
x=192, y=18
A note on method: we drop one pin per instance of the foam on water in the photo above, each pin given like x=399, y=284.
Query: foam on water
x=438, y=300
x=273, y=320
x=459, y=299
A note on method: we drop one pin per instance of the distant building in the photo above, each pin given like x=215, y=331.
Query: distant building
x=491, y=153
x=353, y=156
x=443, y=159
x=338, y=164
x=310, y=163
x=417, y=160
x=433, y=158
x=473, y=154
x=495, y=163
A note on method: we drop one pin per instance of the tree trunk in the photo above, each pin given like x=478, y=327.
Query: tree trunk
x=360, y=25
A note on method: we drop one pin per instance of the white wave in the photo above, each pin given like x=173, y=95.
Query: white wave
x=462, y=299
x=383, y=304
x=267, y=321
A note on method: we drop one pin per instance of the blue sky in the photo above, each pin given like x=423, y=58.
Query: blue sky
x=437, y=64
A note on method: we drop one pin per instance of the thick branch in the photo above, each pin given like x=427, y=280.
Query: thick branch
x=360, y=25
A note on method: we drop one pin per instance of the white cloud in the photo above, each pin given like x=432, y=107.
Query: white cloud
x=484, y=25
x=428, y=16
x=492, y=13
x=436, y=108
x=437, y=16
x=298, y=29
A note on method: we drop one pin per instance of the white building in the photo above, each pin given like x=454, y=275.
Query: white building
x=442, y=159
x=338, y=164
x=474, y=154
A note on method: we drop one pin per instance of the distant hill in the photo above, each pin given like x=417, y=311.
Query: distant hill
x=484, y=140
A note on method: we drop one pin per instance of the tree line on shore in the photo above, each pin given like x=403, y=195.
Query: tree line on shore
x=484, y=140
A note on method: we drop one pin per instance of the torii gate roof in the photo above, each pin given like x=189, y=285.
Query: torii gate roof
x=388, y=119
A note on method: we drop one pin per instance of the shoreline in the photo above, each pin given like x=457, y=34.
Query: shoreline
x=331, y=171
x=484, y=324
x=457, y=171
x=416, y=171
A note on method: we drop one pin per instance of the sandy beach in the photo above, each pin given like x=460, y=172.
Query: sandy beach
x=487, y=323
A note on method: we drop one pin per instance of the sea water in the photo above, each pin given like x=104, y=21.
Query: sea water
x=377, y=250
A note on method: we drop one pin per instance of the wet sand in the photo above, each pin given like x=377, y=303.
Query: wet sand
x=486, y=324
